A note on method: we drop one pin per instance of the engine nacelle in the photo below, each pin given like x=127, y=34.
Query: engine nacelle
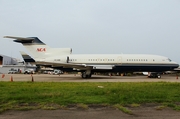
x=61, y=59
x=61, y=51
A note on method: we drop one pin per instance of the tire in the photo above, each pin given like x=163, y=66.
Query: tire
x=159, y=76
x=83, y=75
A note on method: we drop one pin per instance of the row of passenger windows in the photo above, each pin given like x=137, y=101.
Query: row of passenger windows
x=92, y=60
x=138, y=60
x=103, y=60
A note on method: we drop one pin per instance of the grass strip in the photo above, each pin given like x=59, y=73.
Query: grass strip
x=84, y=93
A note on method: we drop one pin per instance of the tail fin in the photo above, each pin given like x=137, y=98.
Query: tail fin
x=38, y=49
x=27, y=58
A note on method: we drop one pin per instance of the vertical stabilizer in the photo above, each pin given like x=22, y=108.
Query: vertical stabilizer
x=36, y=47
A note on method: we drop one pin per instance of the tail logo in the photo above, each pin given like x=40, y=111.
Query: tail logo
x=41, y=49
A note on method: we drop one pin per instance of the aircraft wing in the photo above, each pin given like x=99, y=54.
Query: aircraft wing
x=77, y=66
x=28, y=58
x=65, y=65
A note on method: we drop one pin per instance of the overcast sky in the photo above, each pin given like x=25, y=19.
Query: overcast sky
x=94, y=26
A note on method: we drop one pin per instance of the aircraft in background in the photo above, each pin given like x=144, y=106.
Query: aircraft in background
x=90, y=63
x=27, y=58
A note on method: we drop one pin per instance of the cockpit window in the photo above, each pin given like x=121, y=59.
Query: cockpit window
x=169, y=60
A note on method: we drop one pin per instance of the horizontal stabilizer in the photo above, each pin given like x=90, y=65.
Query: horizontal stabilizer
x=18, y=38
x=25, y=41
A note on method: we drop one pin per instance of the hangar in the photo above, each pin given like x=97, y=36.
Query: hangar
x=5, y=60
x=8, y=63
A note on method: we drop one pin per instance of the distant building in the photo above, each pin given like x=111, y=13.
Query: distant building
x=8, y=63
x=5, y=60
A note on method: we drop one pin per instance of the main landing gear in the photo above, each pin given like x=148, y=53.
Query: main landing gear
x=86, y=74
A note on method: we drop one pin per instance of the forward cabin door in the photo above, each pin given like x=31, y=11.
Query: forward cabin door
x=119, y=60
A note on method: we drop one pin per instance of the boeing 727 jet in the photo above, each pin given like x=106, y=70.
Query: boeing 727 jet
x=89, y=63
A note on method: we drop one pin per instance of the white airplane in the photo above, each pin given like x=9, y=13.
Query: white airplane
x=63, y=58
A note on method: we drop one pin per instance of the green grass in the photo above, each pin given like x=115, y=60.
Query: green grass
x=50, y=95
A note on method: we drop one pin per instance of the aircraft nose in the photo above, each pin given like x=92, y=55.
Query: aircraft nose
x=176, y=65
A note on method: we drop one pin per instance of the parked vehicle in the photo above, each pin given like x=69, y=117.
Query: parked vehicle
x=29, y=71
x=57, y=72
x=12, y=71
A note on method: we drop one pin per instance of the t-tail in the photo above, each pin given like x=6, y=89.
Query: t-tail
x=38, y=49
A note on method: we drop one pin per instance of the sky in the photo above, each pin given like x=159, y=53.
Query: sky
x=94, y=26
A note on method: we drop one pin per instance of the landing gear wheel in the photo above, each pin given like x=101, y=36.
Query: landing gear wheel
x=84, y=75
x=159, y=76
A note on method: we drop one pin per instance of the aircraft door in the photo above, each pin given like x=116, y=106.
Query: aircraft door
x=119, y=60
